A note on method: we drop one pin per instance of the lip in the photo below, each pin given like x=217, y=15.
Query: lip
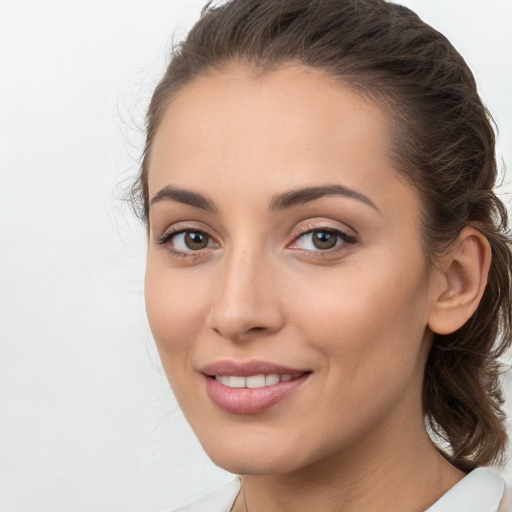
x=250, y=400
x=248, y=368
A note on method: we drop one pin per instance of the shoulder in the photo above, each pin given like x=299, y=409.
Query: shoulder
x=482, y=490
x=218, y=501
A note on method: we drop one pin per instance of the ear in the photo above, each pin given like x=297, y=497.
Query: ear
x=462, y=281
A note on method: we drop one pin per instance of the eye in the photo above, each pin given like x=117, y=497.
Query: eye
x=322, y=239
x=186, y=241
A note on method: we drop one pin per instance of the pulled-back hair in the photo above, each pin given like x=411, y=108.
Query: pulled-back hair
x=443, y=144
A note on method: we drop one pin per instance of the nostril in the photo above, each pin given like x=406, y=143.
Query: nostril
x=238, y=320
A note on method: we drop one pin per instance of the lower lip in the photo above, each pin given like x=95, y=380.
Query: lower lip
x=250, y=400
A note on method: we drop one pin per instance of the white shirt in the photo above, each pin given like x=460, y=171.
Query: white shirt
x=482, y=490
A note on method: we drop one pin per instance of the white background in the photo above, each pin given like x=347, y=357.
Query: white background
x=87, y=422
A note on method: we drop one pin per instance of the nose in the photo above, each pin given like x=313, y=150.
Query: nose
x=246, y=302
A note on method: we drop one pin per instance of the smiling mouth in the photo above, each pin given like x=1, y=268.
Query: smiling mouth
x=251, y=394
x=250, y=387
x=255, y=381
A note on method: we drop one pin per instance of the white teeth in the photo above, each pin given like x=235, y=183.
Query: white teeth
x=271, y=379
x=254, y=381
x=237, y=382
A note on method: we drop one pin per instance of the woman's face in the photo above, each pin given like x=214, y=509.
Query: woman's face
x=283, y=245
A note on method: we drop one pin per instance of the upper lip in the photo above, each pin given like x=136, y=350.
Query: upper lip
x=248, y=368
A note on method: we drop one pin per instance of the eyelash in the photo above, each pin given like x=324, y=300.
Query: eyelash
x=169, y=235
x=343, y=235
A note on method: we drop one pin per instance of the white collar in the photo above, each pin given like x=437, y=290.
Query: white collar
x=219, y=501
x=480, y=491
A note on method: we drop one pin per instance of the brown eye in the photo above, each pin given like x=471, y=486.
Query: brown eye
x=324, y=239
x=318, y=240
x=187, y=241
x=195, y=240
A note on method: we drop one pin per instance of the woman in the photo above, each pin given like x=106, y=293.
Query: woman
x=328, y=272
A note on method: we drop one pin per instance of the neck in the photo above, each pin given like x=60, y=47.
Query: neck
x=409, y=475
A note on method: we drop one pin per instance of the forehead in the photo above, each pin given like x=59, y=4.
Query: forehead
x=294, y=124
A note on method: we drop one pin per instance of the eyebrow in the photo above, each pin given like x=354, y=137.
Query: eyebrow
x=278, y=202
x=305, y=195
x=179, y=195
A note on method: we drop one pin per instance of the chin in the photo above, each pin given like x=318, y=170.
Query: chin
x=254, y=465
x=248, y=455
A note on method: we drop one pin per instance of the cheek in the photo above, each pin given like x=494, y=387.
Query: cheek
x=369, y=318
x=175, y=304
x=369, y=327
x=175, y=308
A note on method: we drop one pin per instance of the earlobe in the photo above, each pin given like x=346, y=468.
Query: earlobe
x=465, y=269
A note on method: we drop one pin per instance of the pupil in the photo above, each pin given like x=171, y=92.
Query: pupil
x=194, y=240
x=324, y=240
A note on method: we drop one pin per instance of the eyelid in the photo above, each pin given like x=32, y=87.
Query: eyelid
x=325, y=225
x=183, y=227
x=173, y=234
x=319, y=226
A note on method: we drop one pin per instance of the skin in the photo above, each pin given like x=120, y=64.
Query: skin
x=359, y=316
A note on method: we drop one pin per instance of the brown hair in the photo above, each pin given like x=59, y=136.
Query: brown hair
x=444, y=145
